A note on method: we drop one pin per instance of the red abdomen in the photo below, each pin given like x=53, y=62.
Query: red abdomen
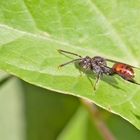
x=123, y=70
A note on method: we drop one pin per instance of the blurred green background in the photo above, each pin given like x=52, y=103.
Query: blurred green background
x=33, y=113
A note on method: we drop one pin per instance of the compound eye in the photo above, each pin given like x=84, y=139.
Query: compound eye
x=85, y=61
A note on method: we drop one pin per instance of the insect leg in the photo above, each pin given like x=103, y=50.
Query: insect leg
x=97, y=80
x=91, y=82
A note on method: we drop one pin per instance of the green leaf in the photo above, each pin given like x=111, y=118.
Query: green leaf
x=11, y=114
x=47, y=113
x=30, y=113
x=80, y=127
x=32, y=32
x=98, y=124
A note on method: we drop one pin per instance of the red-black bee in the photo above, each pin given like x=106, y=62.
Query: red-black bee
x=99, y=66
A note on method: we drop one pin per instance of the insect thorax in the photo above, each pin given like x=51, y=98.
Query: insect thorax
x=99, y=65
x=96, y=64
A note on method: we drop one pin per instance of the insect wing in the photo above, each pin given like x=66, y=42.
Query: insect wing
x=114, y=61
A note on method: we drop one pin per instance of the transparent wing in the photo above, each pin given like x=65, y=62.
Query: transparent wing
x=114, y=61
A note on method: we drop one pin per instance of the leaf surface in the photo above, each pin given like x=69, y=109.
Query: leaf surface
x=32, y=32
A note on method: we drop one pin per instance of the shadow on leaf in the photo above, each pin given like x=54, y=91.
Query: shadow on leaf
x=91, y=75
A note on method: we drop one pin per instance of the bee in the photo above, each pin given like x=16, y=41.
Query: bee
x=98, y=65
x=95, y=64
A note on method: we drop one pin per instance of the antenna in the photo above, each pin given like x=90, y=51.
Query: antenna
x=62, y=51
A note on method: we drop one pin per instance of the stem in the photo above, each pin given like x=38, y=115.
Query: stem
x=98, y=121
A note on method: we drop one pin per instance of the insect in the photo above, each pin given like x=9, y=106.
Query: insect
x=98, y=65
